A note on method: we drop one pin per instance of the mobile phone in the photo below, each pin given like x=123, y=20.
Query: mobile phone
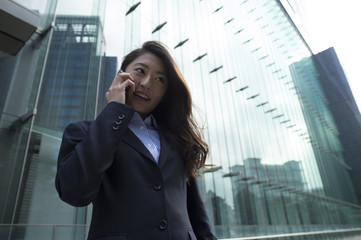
x=128, y=87
x=127, y=90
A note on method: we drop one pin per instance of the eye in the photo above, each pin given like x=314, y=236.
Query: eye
x=139, y=70
x=160, y=79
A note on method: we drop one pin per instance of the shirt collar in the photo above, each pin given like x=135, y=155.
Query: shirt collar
x=149, y=122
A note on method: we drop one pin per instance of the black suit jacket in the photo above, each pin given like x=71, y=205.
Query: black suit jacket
x=102, y=162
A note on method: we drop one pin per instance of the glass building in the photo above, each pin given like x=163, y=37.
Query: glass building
x=281, y=163
x=343, y=109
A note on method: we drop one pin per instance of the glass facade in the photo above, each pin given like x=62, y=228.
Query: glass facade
x=54, y=80
x=20, y=79
x=276, y=163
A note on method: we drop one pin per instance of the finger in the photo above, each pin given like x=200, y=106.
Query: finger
x=121, y=77
x=126, y=76
x=115, y=80
x=130, y=85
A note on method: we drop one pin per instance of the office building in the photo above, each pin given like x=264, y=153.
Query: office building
x=69, y=89
x=343, y=110
x=282, y=161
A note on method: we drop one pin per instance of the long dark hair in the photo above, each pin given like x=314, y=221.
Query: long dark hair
x=174, y=113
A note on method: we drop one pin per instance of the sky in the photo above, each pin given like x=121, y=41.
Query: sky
x=330, y=23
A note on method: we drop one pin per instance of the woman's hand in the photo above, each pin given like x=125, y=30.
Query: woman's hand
x=117, y=91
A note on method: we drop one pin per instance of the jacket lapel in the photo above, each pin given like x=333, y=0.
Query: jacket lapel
x=165, y=148
x=131, y=139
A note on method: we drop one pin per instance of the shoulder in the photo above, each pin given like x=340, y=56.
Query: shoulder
x=76, y=130
x=81, y=125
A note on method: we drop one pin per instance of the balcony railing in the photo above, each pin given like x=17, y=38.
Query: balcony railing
x=79, y=232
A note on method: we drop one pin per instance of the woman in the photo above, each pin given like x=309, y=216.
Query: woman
x=137, y=162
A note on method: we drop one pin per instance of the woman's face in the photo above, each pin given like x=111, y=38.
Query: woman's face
x=150, y=78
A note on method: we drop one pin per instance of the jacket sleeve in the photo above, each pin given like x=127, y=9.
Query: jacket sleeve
x=87, y=151
x=197, y=212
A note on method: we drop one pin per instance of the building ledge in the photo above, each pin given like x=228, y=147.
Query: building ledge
x=19, y=23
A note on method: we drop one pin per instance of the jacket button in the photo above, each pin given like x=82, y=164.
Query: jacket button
x=163, y=224
x=121, y=117
x=115, y=127
x=157, y=186
x=119, y=121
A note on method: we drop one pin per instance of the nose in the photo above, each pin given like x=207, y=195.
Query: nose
x=146, y=82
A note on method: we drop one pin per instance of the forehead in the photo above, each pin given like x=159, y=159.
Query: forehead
x=152, y=61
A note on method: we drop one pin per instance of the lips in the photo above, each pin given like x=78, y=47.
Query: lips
x=142, y=96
